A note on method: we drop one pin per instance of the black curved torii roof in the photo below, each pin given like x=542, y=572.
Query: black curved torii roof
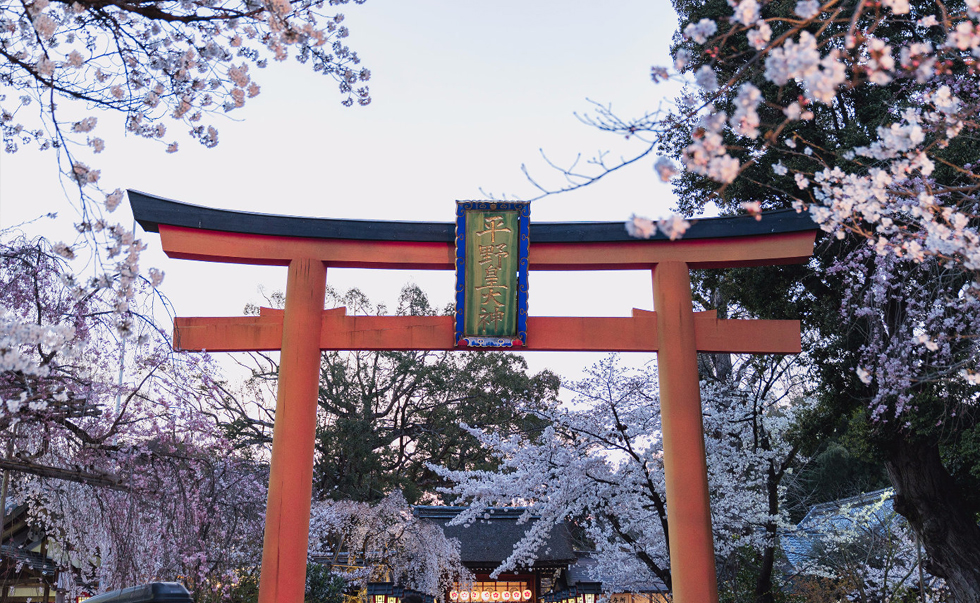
x=152, y=211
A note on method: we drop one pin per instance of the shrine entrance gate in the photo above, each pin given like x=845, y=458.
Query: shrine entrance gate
x=303, y=329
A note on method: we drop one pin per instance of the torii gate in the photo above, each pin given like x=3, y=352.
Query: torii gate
x=309, y=246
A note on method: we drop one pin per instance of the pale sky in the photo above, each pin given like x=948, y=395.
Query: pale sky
x=463, y=94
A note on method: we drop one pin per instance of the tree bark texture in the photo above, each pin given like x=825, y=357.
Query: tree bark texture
x=928, y=497
x=763, y=584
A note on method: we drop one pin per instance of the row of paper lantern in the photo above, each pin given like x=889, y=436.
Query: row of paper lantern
x=490, y=595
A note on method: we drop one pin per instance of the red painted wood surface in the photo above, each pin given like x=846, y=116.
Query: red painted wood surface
x=545, y=333
x=674, y=331
x=213, y=246
x=691, y=546
x=287, y=518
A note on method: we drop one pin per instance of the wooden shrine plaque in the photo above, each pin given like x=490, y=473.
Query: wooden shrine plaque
x=492, y=242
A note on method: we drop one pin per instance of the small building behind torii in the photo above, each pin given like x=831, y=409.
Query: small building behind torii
x=488, y=541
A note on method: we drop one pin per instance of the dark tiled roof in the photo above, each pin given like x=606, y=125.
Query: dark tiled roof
x=152, y=211
x=489, y=540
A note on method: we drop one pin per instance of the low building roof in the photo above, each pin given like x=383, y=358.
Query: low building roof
x=868, y=511
x=488, y=541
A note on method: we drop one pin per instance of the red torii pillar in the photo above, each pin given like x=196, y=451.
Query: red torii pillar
x=303, y=329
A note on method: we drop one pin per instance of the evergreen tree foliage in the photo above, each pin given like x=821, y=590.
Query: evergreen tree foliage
x=384, y=415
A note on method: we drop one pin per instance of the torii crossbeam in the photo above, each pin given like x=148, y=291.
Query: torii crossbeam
x=309, y=246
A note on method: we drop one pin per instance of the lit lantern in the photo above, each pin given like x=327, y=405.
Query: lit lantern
x=588, y=592
x=516, y=595
x=495, y=595
x=505, y=595
x=527, y=595
x=454, y=595
x=465, y=595
x=474, y=595
x=485, y=595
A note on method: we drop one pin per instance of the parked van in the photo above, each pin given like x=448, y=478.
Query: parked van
x=155, y=592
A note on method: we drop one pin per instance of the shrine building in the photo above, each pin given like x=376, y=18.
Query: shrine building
x=488, y=541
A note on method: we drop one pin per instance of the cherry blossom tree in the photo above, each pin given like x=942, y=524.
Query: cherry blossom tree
x=784, y=105
x=600, y=464
x=384, y=541
x=905, y=332
x=161, y=64
x=183, y=514
x=100, y=439
x=861, y=114
x=764, y=71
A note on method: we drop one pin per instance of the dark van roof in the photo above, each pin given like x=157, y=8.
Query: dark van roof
x=155, y=592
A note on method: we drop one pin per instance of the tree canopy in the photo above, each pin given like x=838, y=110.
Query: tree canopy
x=864, y=115
x=159, y=64
x=102, y=443
x=384, y=416
x=599, y=464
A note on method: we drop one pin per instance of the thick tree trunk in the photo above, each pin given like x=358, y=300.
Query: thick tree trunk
x=763, y=584
x=927, y=496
